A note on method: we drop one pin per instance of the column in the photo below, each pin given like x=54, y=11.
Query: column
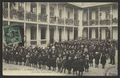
x=57, y=12
x=38, y=35
x=8, y=13
x=48, y=34
x=99, y=23
x=64, y=35
x=88, y=32
x=56, y=36
x=80, y=27
x=25, y=40
x=64, y=14
x=73, y=33
x=88, y=24
x=48, y=13
x=48, y=29
x=111, y=32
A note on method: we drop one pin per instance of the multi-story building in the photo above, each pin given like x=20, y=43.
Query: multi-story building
x=46, y=22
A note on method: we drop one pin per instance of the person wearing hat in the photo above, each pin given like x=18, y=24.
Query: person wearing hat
x=86, y=63
x=97, y=57
x=103, y=60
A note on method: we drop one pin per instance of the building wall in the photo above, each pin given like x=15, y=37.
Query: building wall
x=34, y=18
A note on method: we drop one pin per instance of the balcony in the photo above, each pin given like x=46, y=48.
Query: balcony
x=69, y=21
x=85, y=23
x=60, y=21
x=5, y=12
x=42, y=17
x=93, y=22
x=76, y=22
x=13, y=14
x=53, y=19
x=31, y=16
x=105, y=22
x=20, y=13
x=114, y=21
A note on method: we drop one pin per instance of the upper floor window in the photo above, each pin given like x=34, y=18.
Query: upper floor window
x=68, y=14
x=5, y=5
x=76, y=14
x=51, y=11
x=33, y=8
x=12, y=4
x=43, y=9
x=60, y=13
x=33, y=33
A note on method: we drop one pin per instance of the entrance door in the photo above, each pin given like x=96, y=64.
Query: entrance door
x=75, y=34
x=51, y=35
x=22, y=35
x=68, y=34
x=60, y=35
x=107, y=34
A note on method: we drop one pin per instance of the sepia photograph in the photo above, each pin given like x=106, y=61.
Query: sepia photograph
x=60, y=38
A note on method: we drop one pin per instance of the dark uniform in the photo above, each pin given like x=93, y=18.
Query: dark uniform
x=103, y=60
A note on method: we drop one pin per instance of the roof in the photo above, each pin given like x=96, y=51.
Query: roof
x=88, y=4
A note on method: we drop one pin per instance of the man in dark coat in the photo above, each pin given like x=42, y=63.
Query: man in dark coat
x=97, y=57
x=74, y=65
x=86, y=63
x=103, y=60
x=112, y=55
x=91, y=59
x=80, y=66
x=69, y=65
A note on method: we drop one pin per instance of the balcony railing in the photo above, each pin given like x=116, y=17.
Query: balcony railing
x=76, y=22
x=53, y=19
x=13, y=14
x=5, y=12
x=42, y=17
x=60, y=21
x=105, y=22
x=31, y=16
x=93, y=22
x=85, y=23
x=69, y=21
x=114, y=21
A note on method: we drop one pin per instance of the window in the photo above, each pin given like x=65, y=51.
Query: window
x=60, y=13
x=20, y=4
x=43, y=9
x=51, y=11
x=33, y=33
x=68, y=14
x=43, y=33
x=12, y=4
x=5, y=5
x=33, y=8
x=60, y=35
x=76, y=15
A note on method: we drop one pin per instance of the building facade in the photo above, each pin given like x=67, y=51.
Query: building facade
x=48, y=22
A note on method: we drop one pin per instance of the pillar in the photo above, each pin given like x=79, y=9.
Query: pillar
x=56, y=36
x=88, y=23
x=47, y=35
x=99, y=23
x=80, y=27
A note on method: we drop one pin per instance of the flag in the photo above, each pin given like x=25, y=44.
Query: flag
x=12, y=34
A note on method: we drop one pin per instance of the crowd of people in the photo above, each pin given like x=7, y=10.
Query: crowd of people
x=72, y=57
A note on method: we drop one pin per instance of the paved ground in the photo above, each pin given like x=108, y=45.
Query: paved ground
x=10, y=69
